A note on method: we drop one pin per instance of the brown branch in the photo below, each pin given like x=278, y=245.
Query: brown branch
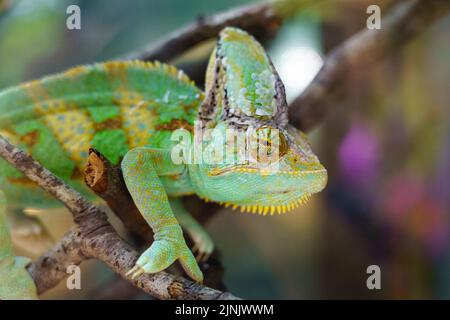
x=359, y=53
x=50, y=269
x=74, y=201
x=257, y=19
x=109, y=248
x=94, y=237
x=261, y=20
x=116, y=288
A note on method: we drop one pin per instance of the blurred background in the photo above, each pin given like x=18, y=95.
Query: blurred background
x=386, y=147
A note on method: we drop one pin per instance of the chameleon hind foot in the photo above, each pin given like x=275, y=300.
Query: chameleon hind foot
x=15, y=281
x=163, y=252
x=203, y=243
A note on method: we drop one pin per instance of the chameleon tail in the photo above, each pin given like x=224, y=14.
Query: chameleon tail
x=15, y=281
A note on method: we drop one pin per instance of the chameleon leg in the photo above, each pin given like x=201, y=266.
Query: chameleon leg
x=203, y=244
x=15, y=281
x=151, y=199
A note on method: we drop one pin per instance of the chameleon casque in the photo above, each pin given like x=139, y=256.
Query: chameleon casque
x=127, y=110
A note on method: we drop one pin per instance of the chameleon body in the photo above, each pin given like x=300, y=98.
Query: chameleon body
x=128, y=111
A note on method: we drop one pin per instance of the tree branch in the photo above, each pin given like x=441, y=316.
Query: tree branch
x=260, y=18
x=94, y=237
x=359, y=53
x=50, y=269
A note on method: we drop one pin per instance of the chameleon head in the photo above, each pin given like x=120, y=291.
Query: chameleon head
x=271, y=185
x=254, y=159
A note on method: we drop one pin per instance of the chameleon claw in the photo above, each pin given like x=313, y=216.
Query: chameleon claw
x=138, y=273
x=205, y=257
x=135, y=272
x=130, y=271
x=202, y=256
x=199, y=257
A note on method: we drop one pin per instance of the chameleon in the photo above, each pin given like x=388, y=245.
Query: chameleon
x=128, y=111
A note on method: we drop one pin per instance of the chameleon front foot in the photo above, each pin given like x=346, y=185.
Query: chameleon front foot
x=161, y=254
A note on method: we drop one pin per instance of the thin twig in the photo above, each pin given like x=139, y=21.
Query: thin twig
x=256, y=18
x=51, y=268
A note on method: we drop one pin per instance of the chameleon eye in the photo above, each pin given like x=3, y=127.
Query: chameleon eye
x=267, y=138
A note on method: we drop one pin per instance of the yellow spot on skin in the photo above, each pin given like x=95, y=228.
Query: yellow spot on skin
x=137, y=120
x=38, y=95
x=10, y=137
x=75, y=133
x=35, y=90
x=71, y=73
x=72, y=128
x=123, y=66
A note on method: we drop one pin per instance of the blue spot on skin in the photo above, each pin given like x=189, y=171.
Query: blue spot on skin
x=83, y=154
x=61, y=117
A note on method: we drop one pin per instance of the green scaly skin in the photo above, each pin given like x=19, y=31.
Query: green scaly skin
x=15, y=281
x=128, y=111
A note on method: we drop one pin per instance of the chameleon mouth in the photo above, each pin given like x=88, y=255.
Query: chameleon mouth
x=266, y=210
